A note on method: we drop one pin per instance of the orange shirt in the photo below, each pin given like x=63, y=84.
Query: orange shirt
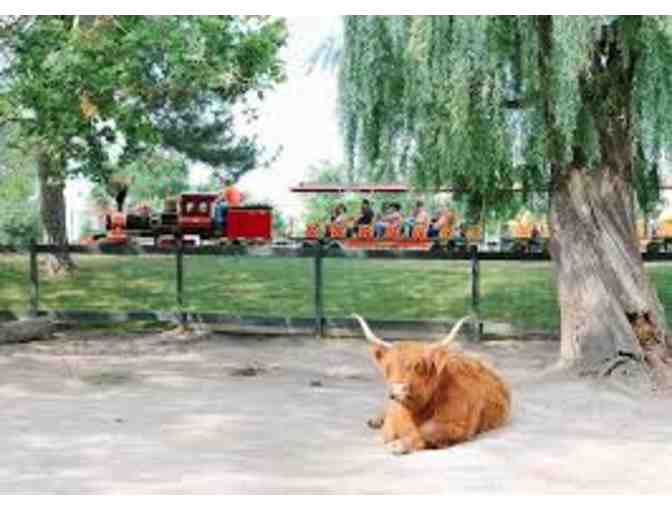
x=233, y=197
x=447, y=218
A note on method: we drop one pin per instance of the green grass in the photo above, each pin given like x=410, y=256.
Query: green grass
x=517, y=293
x=14, y=289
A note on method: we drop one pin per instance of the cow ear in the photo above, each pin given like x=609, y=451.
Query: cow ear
x=379, y=352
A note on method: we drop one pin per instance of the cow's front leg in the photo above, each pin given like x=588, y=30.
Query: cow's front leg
x=407, y=444
x=398, y=423
x=389, y=430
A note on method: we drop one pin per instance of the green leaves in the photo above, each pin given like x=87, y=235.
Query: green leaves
x=145, y=78
x=19, y=212
x=483, y=102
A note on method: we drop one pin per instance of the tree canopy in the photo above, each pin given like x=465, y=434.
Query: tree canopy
x=492, y=102
x=95, y=91
x=579, y=107
x=19, y=219
x=151, y=179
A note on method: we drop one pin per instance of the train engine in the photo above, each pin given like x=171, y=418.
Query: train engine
x=190, y=214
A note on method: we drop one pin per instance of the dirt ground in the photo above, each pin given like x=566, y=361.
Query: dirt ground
x=93, y=412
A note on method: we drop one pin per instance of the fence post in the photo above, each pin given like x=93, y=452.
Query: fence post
x=476, y=292
x=319, y=307
x=34, y=281
x=180, y=273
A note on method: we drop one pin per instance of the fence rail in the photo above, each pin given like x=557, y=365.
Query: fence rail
x=285, y=251
x=320, y=323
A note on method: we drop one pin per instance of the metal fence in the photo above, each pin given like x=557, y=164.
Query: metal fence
x=296, y=289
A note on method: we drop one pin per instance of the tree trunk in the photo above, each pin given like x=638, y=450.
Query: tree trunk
x=52, y=212
x=609, y=308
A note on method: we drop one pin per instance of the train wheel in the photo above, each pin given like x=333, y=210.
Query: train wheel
x=519, y=248
x=436, y=248
x=334, y=246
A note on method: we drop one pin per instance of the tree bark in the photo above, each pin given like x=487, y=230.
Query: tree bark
x=52, y=212
x=609, y=307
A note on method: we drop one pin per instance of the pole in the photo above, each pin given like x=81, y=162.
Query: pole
x=319, y=306
x=180, y=278
x=476, y=292
x=34, y=281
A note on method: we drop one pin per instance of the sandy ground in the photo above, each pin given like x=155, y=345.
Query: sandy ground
x=93, y=413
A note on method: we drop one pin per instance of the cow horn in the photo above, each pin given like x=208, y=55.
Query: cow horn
x=453, y=332
x=367, y=332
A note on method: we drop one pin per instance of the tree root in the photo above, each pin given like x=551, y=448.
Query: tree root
x=187, y=332
x=612, y=364
x=655, y=350
x=562, y=366
x=661, y=372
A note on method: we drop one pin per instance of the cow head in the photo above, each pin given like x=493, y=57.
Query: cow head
x=410, y=368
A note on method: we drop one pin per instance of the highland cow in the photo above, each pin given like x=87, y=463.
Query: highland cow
x=439, y=396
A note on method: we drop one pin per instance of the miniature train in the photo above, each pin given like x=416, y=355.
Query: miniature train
x=362, y=237
x=191, y=215
x=524, y=239
x=658, y=239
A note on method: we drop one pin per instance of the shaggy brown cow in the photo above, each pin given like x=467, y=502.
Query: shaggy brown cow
x=439, y=396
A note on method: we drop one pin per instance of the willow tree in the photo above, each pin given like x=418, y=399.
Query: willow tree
x=580, y=107
x=90, y=94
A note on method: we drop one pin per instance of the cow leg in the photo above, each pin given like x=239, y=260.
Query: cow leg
x=409, y=443
x=397, y=422
x=446, y=434
x=460, y=425
x=389, y=431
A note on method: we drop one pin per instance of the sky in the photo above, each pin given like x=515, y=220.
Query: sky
x=299, y=115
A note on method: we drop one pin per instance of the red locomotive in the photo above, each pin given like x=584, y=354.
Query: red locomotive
x=191, y=214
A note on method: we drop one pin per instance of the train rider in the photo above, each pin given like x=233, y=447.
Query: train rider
x=339, y=217
x=365, y=217
x=391, y=219
x=229, y=197
x=446, y=218
x=419, y=217
x=118, y=187
x=535, y=238
x=366, y=214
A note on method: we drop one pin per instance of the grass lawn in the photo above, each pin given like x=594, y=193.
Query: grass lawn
x=518, y=293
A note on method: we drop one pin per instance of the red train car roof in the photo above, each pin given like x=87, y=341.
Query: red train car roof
x=309, y=187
